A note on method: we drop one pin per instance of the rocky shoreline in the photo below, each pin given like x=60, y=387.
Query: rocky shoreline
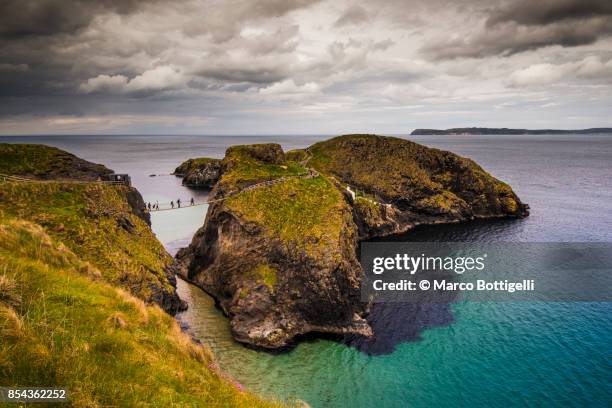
x=281, y=260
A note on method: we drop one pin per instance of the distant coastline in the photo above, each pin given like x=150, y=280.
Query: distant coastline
x=507, y=131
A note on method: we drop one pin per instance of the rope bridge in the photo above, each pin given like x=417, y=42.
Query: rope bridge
x=310, y=174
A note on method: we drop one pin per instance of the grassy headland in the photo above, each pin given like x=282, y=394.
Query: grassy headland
x=413, y=175
x=82, y=277
x=45, y=162
x=96, y=222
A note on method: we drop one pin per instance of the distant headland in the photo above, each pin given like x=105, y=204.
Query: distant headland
x=507, y=131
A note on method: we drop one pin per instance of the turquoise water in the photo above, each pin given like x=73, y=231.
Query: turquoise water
x=460, y=354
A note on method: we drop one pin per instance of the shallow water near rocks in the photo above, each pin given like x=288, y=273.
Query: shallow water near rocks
x=458, y=354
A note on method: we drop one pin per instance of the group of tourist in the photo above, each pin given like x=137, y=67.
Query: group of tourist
x=155, y=207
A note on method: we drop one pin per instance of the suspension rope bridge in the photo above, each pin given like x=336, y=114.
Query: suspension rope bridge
x=310, y=174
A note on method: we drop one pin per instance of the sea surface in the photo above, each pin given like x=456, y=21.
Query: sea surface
x=469, y=354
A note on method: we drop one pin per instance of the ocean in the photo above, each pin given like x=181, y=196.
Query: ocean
x=474, y=354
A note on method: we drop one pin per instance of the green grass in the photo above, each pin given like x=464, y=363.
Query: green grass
x=308, y=212
x=191, y=164
x=245, y=166
x=393, y=169
x=296, y=155
x=264, y=273
x=59, y=327
x=40, y=161
x=87, y=218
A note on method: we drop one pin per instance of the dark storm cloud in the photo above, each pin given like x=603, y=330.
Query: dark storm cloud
x=528, y=25
x=32, y=32
x=550, y=11
x=263, y=75
x=53, y=43
x=22, y=18
x=93, y=63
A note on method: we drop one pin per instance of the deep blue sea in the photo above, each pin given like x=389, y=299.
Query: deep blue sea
x=466, y=354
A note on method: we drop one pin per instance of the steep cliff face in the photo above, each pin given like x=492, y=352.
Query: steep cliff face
x=279, y=251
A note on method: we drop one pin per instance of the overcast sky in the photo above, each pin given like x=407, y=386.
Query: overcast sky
x=302, y=66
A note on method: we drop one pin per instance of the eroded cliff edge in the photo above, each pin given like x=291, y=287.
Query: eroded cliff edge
x=278, y=250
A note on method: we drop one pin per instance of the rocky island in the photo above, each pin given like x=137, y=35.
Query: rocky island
x=202, y=172
x=278, y=247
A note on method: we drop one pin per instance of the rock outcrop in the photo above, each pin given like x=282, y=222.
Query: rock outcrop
x=199, y=173
x=280, y=257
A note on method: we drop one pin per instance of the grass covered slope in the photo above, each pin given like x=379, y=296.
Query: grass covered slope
x=45, y=162
x=97, y=222
x=59, y=326
x=308, y=213
x=414, y=177
x=244, y=165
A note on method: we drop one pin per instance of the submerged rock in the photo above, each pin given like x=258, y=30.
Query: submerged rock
x=279, y=252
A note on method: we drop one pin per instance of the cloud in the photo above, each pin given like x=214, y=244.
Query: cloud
x=538, y=74
x=159, y=78
x=14, y=67
x=591, y=67
x=528, y=25
x=111, y=83
x=25, y=18
x=256, y=60
x=289, y=87
x=355, y=14
x=163, y=77
x=223, y=21
x=549, y=11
